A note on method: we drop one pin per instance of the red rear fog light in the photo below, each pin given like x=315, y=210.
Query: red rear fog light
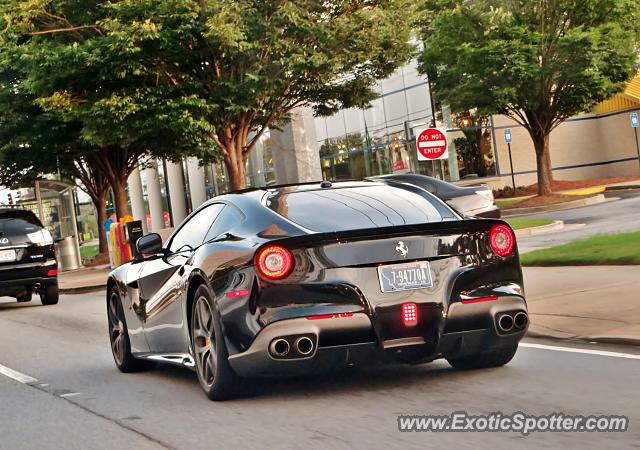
x=410, y=314
x=52, y=273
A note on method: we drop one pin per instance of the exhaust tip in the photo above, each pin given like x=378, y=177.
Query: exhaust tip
x=520, y=320
x=505, y=323
x=279, y=347
x=304, y=345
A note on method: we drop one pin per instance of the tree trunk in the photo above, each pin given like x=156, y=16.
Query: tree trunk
x=235, y=159
x=237, y=176
x=101, y=206
x=543, y=161
x=118, y=186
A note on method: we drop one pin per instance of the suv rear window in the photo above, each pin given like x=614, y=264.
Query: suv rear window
x=354, y=208
x=18, y=222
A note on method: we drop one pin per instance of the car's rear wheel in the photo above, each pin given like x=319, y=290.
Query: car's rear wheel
x=496, y=358
x=217, y=378
x=119, y=336
x=50, y=294
x=25, y=297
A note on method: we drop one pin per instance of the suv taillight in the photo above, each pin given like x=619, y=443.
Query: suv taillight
x=502, y=239
x=274, y=262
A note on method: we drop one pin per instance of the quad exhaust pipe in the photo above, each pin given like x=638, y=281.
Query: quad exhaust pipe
x=279, y=347
x=304, y=346
x=291, y=347
x=505, y=323
x=510, y=322
x=520, y=320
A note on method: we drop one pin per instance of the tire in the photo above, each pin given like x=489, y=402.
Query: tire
x=119, y=336
x=50, y=294
x=25, y=298
x=216, y=377
x=495, y=358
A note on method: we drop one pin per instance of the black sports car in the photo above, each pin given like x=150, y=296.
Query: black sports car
x=297, y=279
x=27, y=257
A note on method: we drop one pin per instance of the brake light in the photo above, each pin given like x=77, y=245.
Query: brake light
x=478, y=300
x=410, y=314
x=330, y=316
x=52, y=273
x=274, y=262
x=502, y=240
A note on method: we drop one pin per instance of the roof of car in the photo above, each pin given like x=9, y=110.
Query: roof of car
x=15, y=211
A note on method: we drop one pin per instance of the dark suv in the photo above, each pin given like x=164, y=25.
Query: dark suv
x=27, y=258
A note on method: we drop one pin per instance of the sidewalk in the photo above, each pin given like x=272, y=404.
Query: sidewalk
x=83, y=280
x=596, y=303
x=596, y=193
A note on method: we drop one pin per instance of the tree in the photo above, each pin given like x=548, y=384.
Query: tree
x=244, y=65
x=538, y=62
x=79, y=69
x=34, y=143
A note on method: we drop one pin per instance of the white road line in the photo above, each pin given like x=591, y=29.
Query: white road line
x=580, y=350
x=69, y=394
x=15, y=375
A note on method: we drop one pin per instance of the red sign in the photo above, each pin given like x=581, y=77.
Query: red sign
x=432, y=144
x=399, y=165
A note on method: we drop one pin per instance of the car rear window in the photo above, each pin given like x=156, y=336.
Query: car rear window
x=354, y=208
x=18, y=223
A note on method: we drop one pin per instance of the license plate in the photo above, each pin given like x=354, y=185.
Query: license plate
x=7, y=255
x=405, y=277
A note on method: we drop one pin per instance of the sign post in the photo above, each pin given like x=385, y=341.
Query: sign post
x=508, y=138
x=635, y=125
x=431, y=145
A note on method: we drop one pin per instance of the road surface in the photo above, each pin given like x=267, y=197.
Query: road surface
x=75, y=397
x=612, y=217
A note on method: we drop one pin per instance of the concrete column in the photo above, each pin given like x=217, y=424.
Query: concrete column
x=197, y=187
x=175, y=181
x=295, y=157
x=152, y=181
x=137, y=198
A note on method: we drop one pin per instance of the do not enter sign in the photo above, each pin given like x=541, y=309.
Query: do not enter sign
x=432, y=144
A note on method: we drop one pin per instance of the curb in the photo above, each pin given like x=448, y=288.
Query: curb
x=596, y=199
x=626, y=187
x=542, y=229
x=82, y=290
x=558, y=336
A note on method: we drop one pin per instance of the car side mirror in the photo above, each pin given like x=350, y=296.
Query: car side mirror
x=150, y=244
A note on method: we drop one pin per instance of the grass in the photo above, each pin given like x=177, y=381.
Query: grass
x=535, y=201
x=520, y=223
x=506, y=202
x=610, y=249
x=88, y=251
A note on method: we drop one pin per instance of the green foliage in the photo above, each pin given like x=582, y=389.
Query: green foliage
x=537, y=61
x=84, y=68
x=172, y=77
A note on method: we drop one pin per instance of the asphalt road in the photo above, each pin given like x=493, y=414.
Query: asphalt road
x=80, y=400
x=612, y=217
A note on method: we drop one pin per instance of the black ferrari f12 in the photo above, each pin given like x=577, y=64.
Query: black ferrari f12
x=298, y=279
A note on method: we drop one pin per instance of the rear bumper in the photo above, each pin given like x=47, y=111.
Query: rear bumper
x=349, y=340
x=16, y=279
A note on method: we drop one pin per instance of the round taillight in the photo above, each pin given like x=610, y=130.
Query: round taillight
x=502, y=240
x=274, y=262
